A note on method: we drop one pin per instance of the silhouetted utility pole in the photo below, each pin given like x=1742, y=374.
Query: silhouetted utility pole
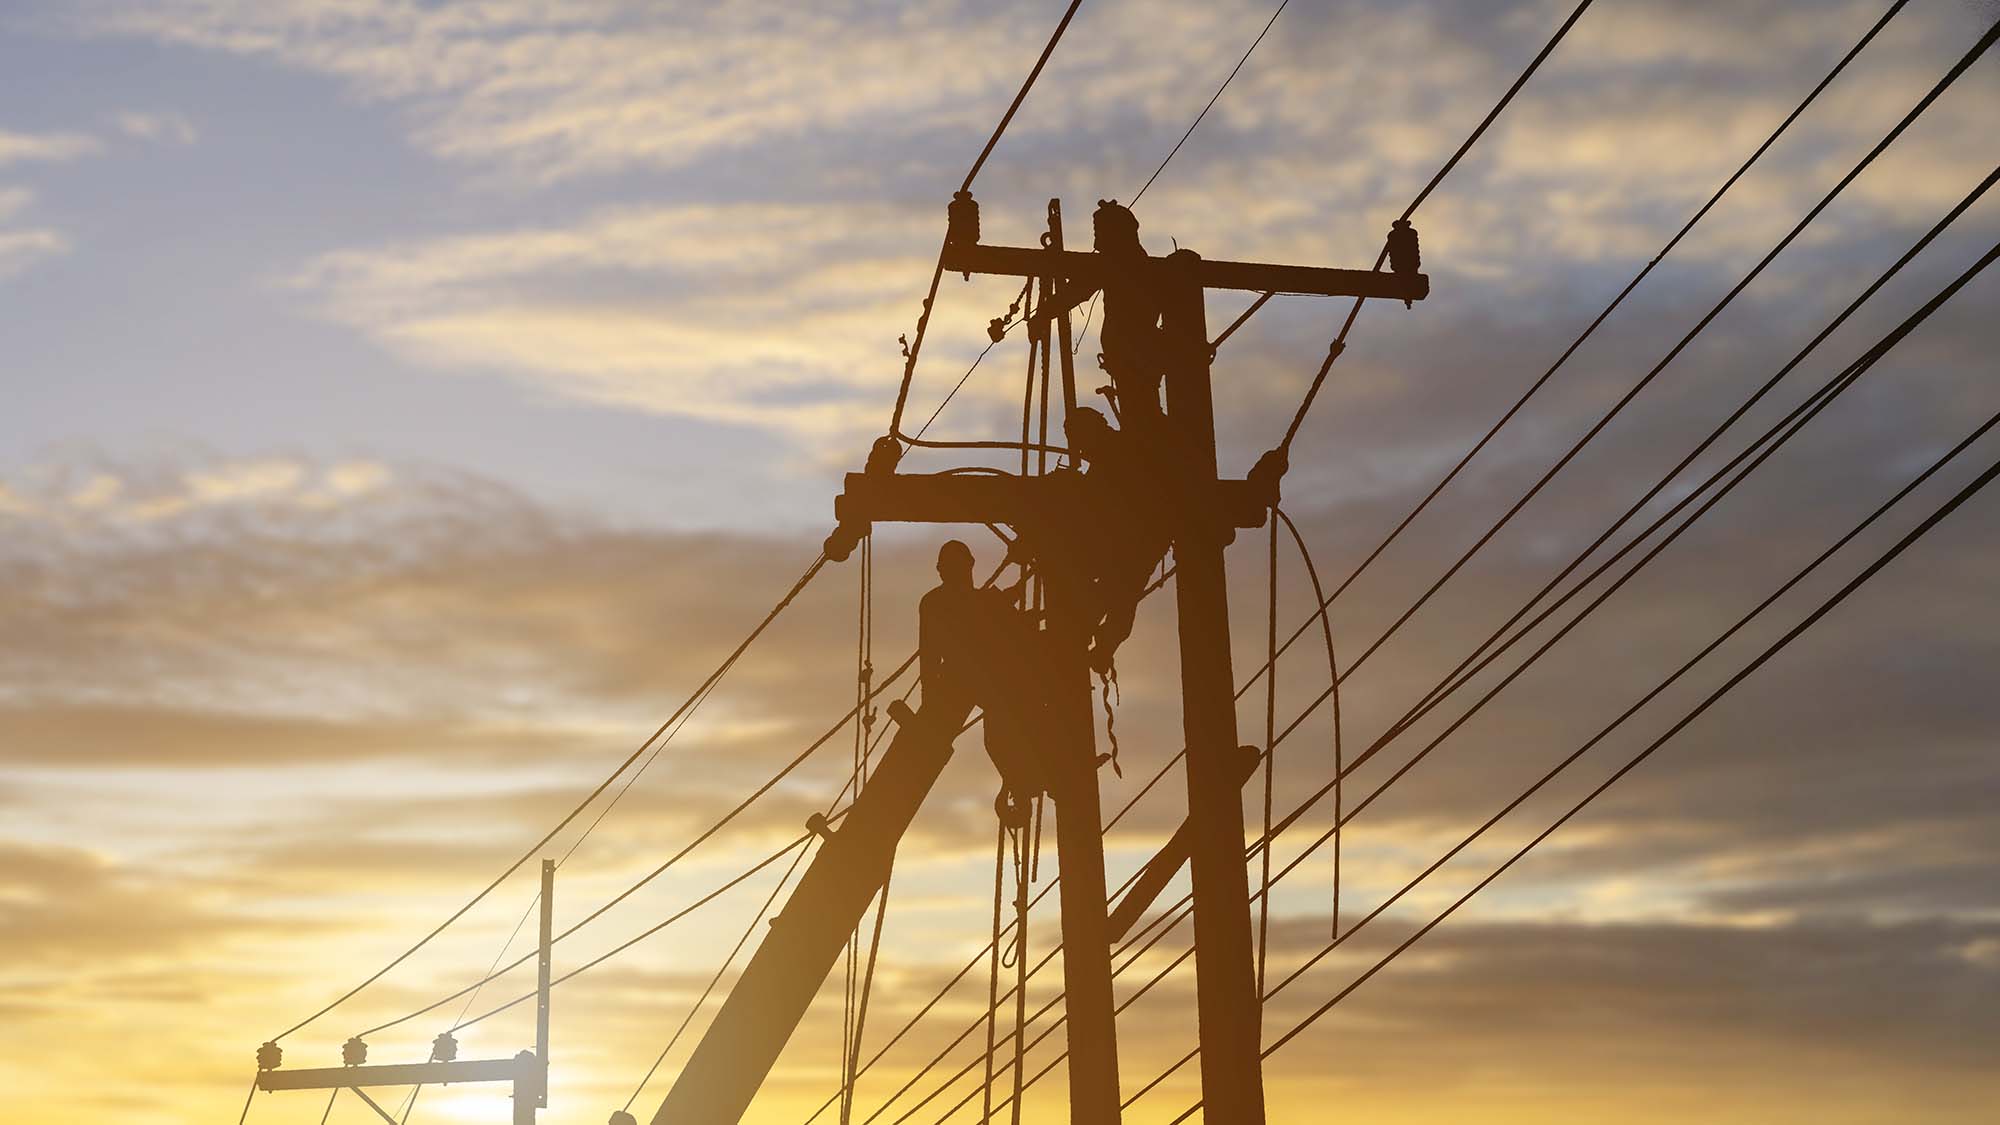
x=528, y=1071
x=1227, y=1000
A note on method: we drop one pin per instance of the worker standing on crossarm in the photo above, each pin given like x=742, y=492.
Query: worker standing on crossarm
x=1135, y=351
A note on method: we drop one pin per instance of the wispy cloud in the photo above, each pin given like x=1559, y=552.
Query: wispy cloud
x=46, y=148
x=161, y=125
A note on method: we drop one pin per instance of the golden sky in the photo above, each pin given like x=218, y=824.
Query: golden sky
x=407, y=404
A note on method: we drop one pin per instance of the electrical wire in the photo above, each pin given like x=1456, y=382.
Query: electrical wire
x=1449, y=684
x=1217, y=96
x=734, y=882
x=721, y=971
x=1591, y=329
x=937, y=274
x=1773, y=438
x=797, y=586
x=1604, y=420
x=682, y=853
x=1339, y=343
x=1949, y=506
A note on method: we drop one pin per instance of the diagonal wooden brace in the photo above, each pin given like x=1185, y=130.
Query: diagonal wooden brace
x=1160, y=869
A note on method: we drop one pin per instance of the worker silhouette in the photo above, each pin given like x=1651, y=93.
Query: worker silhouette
x=977, y=649
x=1135, y=352
x=1134, y=349
x=1126, y=530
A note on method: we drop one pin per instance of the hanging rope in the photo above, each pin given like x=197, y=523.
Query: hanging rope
x=853, y=1001
x=993, y=967
x=1339, y=752
x=1270, y=743
x=1020, y=968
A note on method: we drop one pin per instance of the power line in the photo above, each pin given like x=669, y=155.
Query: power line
x=1591, y=329
x=1965, y=493
x=1780, y=431
x=1446, y=686
x=704, y=900
x=721, y=971
x=797, y=586
x=937, y=274
x=701, y=838
x=1217, y=96
x=1339, y=343
x=1826, y=606
x=1916, y=111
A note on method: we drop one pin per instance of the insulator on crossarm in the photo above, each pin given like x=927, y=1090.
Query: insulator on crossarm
x=1405, y=257
x=444, y=1048
x=270, y=1056
x=962, y=220
x=883, y=456
x=353, y=1052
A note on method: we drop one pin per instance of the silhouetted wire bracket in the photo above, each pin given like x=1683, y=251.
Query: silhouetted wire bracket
x=528, y=1071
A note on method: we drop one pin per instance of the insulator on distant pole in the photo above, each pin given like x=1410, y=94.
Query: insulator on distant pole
x=444, y=1048
x=1404, y=255
x=353, y=1052
x=270, y=1056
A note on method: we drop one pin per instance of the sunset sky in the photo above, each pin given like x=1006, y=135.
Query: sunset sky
x=407, y=403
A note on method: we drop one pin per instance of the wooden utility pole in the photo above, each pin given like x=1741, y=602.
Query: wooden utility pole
x=1232, y=1070
x=1209, y=510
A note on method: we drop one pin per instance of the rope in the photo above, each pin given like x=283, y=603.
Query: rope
x=993, y=966
x=1333, y=684
x=1602, y=316
x=863, y=719
x=810, y=572
x=1021, y=906
x=1270, y=738
x=867, y=983
x=1211, y=101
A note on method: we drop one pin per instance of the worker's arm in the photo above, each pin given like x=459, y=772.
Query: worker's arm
x=1067, y=296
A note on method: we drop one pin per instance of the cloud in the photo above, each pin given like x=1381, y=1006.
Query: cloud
x=168, y=125
x=54, y=148
x=690, y=329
